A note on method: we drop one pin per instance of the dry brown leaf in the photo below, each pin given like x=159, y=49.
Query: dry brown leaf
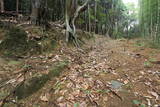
x=105, y=99
x=70, y=97
x=83, y=104
x=62, y=105
x=20, y=79
x=69, y=85
x=62, y=92
x=60, y=99
x=76, y=92
x=85, y=86
x=154, y=94
x=142, y=72
x=45, y=71
x=44, y=98
x=125, y=81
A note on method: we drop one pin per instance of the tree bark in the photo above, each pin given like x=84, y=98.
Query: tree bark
x=2, y=5
x=17, y=6
x=70, y=21
x=35, y=8
x=89, y=20
x=95, y=16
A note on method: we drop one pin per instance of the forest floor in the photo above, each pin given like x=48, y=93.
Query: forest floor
x=104, y=73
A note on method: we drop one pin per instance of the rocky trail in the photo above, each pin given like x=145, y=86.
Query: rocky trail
x=104, y=73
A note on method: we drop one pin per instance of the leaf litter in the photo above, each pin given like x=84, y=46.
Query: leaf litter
x=101, y=76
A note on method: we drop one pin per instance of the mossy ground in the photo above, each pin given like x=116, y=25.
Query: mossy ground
x=16, y=42
x=27, y=88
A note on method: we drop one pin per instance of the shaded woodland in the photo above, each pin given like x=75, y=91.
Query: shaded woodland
x=79, y=53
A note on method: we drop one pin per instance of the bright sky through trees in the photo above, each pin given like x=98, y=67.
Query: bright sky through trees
x=131, y=1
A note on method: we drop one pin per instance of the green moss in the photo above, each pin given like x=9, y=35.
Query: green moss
x=47, y=45
x=15, y=42
x=140, y=43
x=55, y=71
x=27, y=88
x=12, y=62
x=3, y=94
x=9, y=105
x=147, y=64
x=31, y=86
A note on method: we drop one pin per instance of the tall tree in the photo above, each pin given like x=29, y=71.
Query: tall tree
x=149, y=19
x=2, y=5
x=17, y=6
x=72, y=10
x=35, y=8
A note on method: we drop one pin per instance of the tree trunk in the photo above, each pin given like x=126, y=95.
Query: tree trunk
x=35, y=8
x=70, y=21
x=67, y=18
x=2, y=5
x=158, y=22
x=95, y=16
x=17, y=6
x=89, y=20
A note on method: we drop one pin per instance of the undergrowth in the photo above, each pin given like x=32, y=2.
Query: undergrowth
x=15, y=42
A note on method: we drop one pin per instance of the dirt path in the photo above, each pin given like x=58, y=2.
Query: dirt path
x=105, y=73
x=111, y=63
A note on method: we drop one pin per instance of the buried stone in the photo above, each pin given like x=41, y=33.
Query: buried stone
x=116, y=84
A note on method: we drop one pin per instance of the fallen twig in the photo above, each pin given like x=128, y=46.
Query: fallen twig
x=92, y=101
x=72, y=81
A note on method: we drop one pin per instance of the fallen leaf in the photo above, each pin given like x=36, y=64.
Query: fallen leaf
x=142, y=72
x=83, y=104
x=62, y=105
x=20, y=79
x=44, y=98
x=85, y=86
x=126, y=81
x=76, y=92
x=105, y=99
x=60, y=99
x=156, y=105
x=69, y=85
x=62, y=92
x=147, y=83
x=154, y=94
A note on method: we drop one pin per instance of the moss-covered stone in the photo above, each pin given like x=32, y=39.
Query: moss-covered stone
x=56, y=70
x=32, y=85
x=15, y=42
x=47, y=45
